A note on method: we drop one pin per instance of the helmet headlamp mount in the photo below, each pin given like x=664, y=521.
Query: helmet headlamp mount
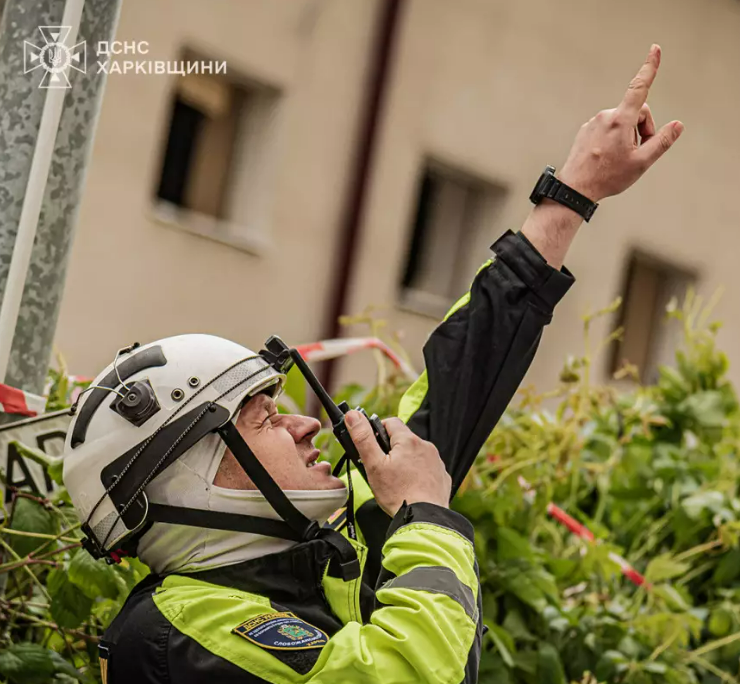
x=138, y=403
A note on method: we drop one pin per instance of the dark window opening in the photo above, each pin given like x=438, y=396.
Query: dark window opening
x=454, y=211
x=649, y=340
x=186, y=123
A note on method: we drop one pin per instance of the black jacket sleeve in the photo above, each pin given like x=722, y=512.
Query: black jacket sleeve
x=476, y=358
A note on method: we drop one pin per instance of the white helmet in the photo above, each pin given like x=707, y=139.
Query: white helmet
x=147, y=408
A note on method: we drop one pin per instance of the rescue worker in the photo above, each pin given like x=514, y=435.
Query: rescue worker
x=179, y=456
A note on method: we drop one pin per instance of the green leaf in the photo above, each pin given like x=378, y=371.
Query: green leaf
x=515, y=625
x=629, y=647
x=706, y=408
x=69, y=606
x=671, y=596
x=720, y=622
x=503, y=642
x=512, y=546
x=132, y=570
x=696, y=504
x=94, y=578
x=561, y=568
x=526, y=661
x=545, y=582
x=728, y=568
x=55, y=471
x=30, y=516
x=524, y=589
x=663, y=568
x=295, y=388
x=493, y=669
x=610, y=663
x=549, y=667
x=27, y=663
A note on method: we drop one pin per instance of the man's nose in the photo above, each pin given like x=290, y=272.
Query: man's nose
x=304, y=428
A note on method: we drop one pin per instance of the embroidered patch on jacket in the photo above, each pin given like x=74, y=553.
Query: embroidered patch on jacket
x=281, y=631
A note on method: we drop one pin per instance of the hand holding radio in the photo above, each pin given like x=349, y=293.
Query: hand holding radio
x=411, y=471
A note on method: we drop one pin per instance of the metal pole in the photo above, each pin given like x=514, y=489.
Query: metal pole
x=30, y=321
x=34, y=195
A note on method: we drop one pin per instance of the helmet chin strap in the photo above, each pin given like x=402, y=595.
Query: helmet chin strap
x=294, y=525
x=299, y=523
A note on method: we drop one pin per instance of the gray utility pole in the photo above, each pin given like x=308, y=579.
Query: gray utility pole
x=45, y=146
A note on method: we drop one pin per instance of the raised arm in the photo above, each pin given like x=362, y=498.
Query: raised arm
x=477, y=357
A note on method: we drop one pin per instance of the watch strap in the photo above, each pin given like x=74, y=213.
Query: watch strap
x=568, y=197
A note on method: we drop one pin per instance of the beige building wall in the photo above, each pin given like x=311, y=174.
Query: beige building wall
x=494, y=88
x=499, y=89
x=132, y=278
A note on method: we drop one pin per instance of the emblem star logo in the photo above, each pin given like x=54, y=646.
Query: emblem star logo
x=54, y=56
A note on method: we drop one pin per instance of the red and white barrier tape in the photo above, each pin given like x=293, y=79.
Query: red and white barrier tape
x=20, y=403
x=332, y=349
x=584, y=533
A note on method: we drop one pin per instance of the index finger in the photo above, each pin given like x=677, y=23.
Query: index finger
x=363, y=437
x=639, y=87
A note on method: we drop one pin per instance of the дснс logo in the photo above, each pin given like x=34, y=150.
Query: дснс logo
x=54, y=56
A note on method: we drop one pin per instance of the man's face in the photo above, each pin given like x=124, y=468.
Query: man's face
x=283, y=443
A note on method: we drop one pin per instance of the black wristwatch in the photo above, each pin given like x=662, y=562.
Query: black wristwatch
x=549, y=187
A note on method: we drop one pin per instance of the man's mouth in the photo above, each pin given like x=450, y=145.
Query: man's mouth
x=312, y=458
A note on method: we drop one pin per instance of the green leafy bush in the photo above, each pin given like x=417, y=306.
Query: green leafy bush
x=56, y=601
x=652, y=472
x=654, y=475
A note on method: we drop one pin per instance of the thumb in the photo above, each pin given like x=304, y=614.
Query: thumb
x=363, y=437
x=661, y=142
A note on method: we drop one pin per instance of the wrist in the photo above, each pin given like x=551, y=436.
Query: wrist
x=579, y=183
x=551, y=228
x=425, y=512
x=427, y=499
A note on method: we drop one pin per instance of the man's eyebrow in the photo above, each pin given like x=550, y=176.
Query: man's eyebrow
x=262, y=401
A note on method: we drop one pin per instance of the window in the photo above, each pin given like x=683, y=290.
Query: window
x=453, y=212
x=649, y=340
x=218, y=153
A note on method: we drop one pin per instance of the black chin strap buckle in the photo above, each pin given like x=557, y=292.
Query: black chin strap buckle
x=312, y=531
